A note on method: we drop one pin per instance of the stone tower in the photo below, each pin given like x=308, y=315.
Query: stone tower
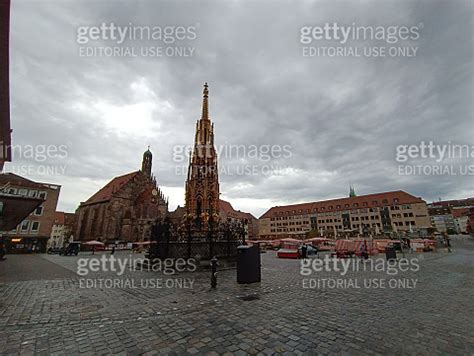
x=202, y=183
x=146, y=162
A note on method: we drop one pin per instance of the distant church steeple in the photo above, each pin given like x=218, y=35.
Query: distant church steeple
x=146, y=162
x=352, y=193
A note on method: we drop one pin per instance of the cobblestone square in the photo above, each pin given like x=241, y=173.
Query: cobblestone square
x=44, y=310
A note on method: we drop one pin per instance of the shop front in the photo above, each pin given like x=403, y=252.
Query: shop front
x=25, y=244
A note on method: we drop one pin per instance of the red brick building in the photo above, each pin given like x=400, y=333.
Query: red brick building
x=123, y=210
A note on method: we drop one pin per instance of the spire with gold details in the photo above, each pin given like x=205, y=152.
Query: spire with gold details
x=202, y=184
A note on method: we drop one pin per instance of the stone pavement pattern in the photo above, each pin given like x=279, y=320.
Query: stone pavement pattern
x=49, y=314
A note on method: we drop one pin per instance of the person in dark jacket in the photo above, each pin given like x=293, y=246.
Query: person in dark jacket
x=304, y=251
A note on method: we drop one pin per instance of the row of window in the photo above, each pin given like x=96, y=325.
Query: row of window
x=356, y=226
x=354, y=211
x=327, y=221
x=28, y=226
x=292, y=229
x=407, y=223
x=340, y=227
x=291, y=223
x=353, y=218
x=331, y=207
x=290, y=217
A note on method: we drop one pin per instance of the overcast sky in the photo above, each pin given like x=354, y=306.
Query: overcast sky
x=339, y=120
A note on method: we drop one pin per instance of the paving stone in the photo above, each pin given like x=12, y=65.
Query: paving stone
x=50, y=316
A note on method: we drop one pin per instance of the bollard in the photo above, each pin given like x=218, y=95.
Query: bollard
x=214, y=265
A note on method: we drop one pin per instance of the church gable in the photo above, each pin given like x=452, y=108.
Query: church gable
x=113, y=187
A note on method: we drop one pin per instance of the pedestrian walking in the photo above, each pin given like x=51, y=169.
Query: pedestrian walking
x=304, y=251
x=447, y=242
x=364, y=250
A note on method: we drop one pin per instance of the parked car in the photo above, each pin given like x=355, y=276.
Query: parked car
x=310, y=250
x=71, y=249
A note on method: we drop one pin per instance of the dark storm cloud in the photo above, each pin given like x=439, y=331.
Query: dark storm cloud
x=342, y=118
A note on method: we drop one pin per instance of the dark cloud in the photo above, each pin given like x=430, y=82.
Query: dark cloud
x=342, y=118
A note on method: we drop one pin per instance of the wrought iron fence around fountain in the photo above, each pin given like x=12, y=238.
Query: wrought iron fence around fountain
x=221, y=239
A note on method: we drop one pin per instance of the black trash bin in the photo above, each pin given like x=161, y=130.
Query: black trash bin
x=390, y=253
x=248, y=264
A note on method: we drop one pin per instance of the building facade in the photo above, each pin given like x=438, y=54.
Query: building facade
x=62, y=230
x=442, y=219
x=32, y=234
x=202, y=183
x=459, y=213
x=462, y=224
x=124, y=210
x=250, y=222
x=372, y=214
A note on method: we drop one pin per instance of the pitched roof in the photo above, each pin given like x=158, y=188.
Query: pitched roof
x=229, y=210
x=112, y=187
x=371, y=200
x=178, y=214
x=458, y=203
x=225, y=206
x=16, y=180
